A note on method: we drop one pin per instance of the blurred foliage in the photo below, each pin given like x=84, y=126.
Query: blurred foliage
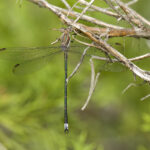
x=31, y=107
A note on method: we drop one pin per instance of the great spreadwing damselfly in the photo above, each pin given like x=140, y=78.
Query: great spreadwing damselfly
x=26, y=57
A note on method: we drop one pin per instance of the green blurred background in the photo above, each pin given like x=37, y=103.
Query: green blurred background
x=31, y=107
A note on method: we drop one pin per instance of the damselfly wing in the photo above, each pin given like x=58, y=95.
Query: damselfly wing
x=30, y=59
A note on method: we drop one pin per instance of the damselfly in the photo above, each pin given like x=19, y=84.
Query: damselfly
x=28, y=57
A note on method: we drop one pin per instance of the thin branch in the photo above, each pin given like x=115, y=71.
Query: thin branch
x=90, y=19
x=137, y=33
x=115, y=60
x=99, y=9
x=81, y=8
x=132, y=14
x=118, y=12
x=74, y=6
x=145, y=97
x=84, y=11
x=60, y=13
x=66, y=4
x=93, y=84
x=131, y=2
x=129, y=86
x=78, y=65
x=140, y=57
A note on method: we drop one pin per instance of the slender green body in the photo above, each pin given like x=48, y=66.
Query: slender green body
x=65, y=42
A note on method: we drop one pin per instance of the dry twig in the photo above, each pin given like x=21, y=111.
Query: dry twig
x=145, y=97
x=94, y=80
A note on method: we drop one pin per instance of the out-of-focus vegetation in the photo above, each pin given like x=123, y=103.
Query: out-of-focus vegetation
x=31, y=107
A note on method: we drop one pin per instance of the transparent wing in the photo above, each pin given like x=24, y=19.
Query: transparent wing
x=103, y=64
x=113, y=67
x=29, y=59
x=37, y=62
x=24, y=53
x=33, y=65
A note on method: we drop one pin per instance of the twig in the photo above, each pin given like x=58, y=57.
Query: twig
x=99, y=9
x=66, y=4
x=68, y=13
x=130, y=85
x=131, y=59
x=131, y=2
x=90, y=19
x=132, y=14
x=78, y=65
x=81, y=8
x=145, y=97
x=131, y=18
x=118, y=12
x=140, y=57
x=137, y=33
x=84, y=10
x=93, y=84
